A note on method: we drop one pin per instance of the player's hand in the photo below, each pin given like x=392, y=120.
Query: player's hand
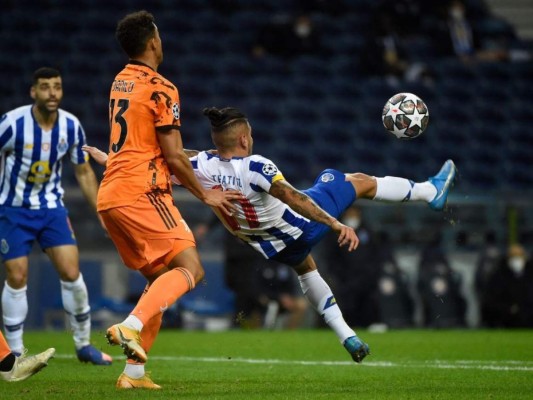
x=223, y=199
x=98, y=155
x=346, y=234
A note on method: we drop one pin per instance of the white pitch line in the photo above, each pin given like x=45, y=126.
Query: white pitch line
x=502, y=365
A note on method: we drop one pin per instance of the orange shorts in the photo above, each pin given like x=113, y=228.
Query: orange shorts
x=149, y=233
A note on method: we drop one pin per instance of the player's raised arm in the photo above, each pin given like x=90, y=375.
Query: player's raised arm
x=305, y=206
x=98, y=155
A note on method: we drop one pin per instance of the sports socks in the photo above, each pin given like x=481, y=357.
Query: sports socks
x=162, y=293
x=318, y=293
x=134, y=370
x=391, y=188
x=15, y=310
x=76, y=304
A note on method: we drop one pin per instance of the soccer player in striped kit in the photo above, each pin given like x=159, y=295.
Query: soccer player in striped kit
x=283, y=223
x=34, y=140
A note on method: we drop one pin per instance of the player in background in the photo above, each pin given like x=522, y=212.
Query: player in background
x=14, y=369
x=283, y=223
x=135, y=196
x=34, y=141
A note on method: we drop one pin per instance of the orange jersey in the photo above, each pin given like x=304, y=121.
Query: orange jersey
x=141, y=101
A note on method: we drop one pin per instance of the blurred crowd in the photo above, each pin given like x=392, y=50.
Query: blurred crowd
x=376, y=291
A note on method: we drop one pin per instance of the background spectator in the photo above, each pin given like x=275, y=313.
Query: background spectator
x=439, y=288
x=263, y=289
x=288, y=37
x=384, y=54
x=355, y=275
x=395, y=303
x=508, y=299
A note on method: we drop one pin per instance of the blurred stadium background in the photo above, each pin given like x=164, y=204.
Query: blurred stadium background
x=308, y=113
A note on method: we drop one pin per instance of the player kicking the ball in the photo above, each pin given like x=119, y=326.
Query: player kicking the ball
x=283, y=223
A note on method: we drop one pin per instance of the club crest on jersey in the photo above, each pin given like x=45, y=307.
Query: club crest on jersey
x=62, y=146
x=176, y=110
x=4, y=247
x=269, y=169
x=327, y=177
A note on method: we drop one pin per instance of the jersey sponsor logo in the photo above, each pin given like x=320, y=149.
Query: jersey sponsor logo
x=327, y=177
x=4, y=247
x=176, y=110
x=40, y=172
x=269, y=169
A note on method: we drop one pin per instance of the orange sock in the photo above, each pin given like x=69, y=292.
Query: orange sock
x=4, y=347
x=150, y=331
x=162, y=293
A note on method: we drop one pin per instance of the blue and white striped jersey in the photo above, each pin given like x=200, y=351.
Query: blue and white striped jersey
x=262, y=220
x=32, y=159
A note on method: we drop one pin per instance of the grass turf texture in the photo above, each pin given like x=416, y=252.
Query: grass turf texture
x=308, y=364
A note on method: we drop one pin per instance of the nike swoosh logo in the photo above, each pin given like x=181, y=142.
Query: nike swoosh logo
x=163, y=309
x=446, y=184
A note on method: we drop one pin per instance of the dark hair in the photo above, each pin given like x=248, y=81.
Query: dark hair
x=223, y=118
x=134, y=31
x=44, y=73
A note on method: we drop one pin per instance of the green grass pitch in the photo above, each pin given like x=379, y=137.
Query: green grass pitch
x=307, y=364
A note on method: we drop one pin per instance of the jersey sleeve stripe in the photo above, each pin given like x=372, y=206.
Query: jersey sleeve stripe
x=19, y=147
x=166, y=128
x=8, y=134
x=256, y=188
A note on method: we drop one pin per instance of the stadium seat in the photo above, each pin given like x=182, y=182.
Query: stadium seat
x=310, y=66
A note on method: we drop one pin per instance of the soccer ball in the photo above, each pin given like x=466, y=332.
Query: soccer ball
x=405, y=115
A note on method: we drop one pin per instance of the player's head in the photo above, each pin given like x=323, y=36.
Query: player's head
x=138, y=34
x=230, y=129
x=47, y=89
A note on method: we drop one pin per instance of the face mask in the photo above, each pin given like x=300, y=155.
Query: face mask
x=303, y=30
x=456, y=13
x=517, y=264
x=352, y=222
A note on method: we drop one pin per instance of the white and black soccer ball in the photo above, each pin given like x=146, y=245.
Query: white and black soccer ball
x=405, y=115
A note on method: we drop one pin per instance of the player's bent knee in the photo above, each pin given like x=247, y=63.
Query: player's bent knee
x=365, y=185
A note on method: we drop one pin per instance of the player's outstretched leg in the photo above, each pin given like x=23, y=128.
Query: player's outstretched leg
x=434, y=191
x=24, y=367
